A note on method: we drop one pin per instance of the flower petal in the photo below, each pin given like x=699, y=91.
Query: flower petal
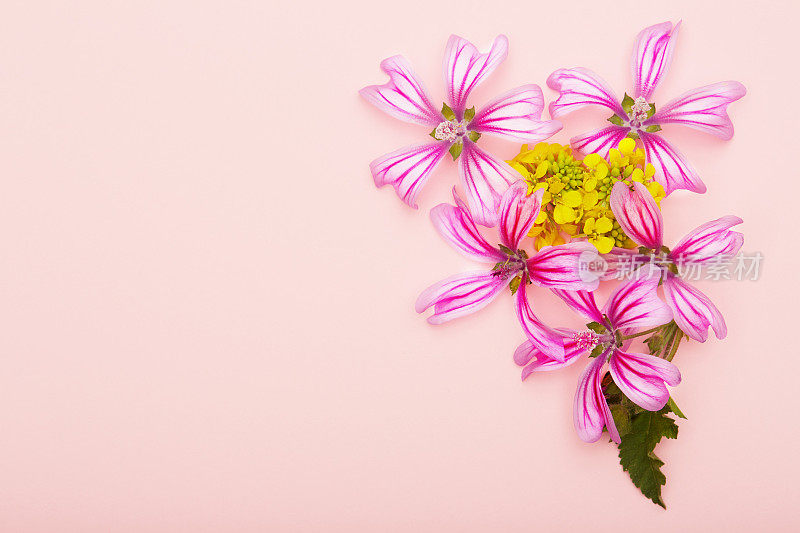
x=460, y=295
x=590, y=409
x=460, y=232
x=559, y=267
x=709, y=241
x=465, y=68
x=403, y=96
x=484, y=179
x=599, y=141
x=635, y=303
x=643, y=378
x=704, y=109
x=516, y=116
x=652, y=55
x=534, y=360
x=692, y=310
x=672, y=170
x=518, y=212
x=582, y=302
x=543, y=337
x=638, y=214
x=579, y=87
x=407, y=169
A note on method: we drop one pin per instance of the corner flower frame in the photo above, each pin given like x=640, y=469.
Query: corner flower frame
x=602, y=208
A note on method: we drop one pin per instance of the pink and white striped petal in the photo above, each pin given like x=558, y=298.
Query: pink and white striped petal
x=407, y=169
x=527, y=355
x=544, y=338
x=516, y=116
x=590, y=409
x=672, y=170
x=460, y=232
x=692, y=310
x=635, y=304
x=465, y=67
x=709, y=241
x=559, y=267
x=582, y=302
x=638, y=214
x=704, y=109
x=599, y=141
x=403, y=96
x=518, y=212
x=460, y=295
x=484, y=180
x=579, y=87
x=652, y=55
x=643, y=378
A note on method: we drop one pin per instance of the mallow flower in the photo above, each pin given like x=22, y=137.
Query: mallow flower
x=514, y=115
x=704, y=109
x=640, y=218
x=556, y=267
x=643, y=378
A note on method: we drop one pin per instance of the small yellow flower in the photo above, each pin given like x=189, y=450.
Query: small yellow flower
x=595, y=231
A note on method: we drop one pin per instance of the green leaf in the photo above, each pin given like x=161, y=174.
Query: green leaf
x=505, y=249
x=448, y=113
x=627, y=103
x=675, y=409
x=636, y=452
x=455, y=149
x=622, y=419
x=469, y=114
x=651, y=111
x=433, y=134
x=655, y=343
x=515, y=283
x=597, y=327
x=633, y=135
x=615, y=119
x=597, y=351
x=473, y=135
x=653, y=128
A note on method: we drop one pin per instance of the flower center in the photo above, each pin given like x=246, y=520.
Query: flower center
x=586, y=339
x=450, y=130
x=639, y=111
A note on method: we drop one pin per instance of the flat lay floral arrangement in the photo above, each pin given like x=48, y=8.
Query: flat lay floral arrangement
x=570, y=218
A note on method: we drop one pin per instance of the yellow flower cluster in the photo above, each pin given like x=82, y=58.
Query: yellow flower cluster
x=577, y=192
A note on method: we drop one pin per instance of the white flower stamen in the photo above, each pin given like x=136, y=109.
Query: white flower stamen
x=639, y=111
x=450, y=130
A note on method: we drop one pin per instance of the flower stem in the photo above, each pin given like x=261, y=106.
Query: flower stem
x=651, y=330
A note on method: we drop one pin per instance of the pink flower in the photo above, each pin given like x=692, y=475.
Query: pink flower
x=704, y=109
x=643, y=378
x=514, y=115
x=553, y=267
x=639, y=216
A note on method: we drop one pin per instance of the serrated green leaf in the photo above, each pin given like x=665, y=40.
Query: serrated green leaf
x=653, y=128
x=469, y=114
x=622, y=419
x=627, y=103
x=636, y=452
x=473, y=135
x=615, y=119
x=675, y=409
x=455, y=149
x=597, y=327
x=448, y=113
x=515, y=283
x=597, y=351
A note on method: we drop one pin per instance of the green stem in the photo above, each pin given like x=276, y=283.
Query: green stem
x=651, y=330
x=676, y=341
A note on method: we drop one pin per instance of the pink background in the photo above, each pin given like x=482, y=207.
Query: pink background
x=207, y=318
